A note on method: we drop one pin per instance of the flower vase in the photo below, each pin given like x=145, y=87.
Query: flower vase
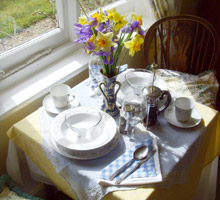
x=109, y=95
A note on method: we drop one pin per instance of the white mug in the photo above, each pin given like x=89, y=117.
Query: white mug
x=183, y=108
x=61, y=95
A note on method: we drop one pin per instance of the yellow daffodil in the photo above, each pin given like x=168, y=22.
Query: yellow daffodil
x=120, y=21
x=92, y=39
x=104, y=41
x=111, y=13
x=83, y=20
x=137, y=18
x=134, y=45
x=99, y=16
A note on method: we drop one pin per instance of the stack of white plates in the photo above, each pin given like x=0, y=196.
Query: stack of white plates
x=98, y=142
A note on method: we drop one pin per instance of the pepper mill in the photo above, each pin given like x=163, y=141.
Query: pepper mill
x=125, y=127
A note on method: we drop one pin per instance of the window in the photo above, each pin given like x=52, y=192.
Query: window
x=67, y=12
x=19, y=54
x=26, y=21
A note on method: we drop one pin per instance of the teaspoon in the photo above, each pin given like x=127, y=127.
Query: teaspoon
x=139, y=154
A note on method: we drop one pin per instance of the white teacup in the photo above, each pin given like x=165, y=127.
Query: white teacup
x=183, y=108
x=61, y=95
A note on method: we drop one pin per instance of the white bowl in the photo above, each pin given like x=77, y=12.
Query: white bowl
x=137, y=79
x=84, y=122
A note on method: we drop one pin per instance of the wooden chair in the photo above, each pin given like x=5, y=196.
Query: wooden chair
x=185, y=43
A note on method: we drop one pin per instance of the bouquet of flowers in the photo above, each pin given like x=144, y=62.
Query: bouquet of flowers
x=106, y=33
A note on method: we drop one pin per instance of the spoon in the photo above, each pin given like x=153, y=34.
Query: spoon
x=136, y=166
x=139, y=154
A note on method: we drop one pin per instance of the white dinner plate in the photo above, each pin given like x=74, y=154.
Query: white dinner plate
x=125, y=88
x=50, y=107
x=93, y=145
x=90, y=155
x=170, y=116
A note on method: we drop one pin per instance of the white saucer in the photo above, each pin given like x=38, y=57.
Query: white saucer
x=170, y=116
x=49, y=106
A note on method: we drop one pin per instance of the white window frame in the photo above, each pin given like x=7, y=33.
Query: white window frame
x=51, y=39
x=55, y=38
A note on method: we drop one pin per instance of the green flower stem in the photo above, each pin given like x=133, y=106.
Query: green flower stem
x=123, y=59
x=83, y=9
x=117, y=55
x=104, y=70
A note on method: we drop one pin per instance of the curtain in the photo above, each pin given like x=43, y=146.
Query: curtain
x=160, y=9
x=164, y=8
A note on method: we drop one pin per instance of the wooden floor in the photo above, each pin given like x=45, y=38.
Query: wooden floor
x=51, y=193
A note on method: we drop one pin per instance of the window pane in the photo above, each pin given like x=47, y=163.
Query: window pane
x=90, y=5
x=23, y=20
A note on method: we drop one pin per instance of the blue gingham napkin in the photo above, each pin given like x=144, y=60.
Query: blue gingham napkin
x=148, y=172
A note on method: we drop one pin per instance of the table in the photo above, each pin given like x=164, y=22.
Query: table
x=26, y=134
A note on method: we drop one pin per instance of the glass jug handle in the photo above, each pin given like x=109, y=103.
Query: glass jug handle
x=166, y=104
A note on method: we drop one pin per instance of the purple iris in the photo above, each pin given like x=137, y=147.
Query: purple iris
x=93, y=21
x=105, y=13
x=141, y=31
x=89, y=45
x=134, y=24
x=126, y=29
x=84, y=32
x=104, y=26
x=108, y=25
x=131, y=27
x=100, y=53
x=113, y=48
x=108, y=59
x=101, y=27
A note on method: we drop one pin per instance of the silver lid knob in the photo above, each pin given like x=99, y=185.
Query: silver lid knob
x=152, y=91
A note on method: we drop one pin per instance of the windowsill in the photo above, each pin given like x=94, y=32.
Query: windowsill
x=22, y=93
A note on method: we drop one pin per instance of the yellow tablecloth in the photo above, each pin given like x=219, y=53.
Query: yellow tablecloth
x=26, y=134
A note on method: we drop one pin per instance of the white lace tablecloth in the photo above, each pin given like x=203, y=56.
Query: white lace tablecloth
x=178, y=148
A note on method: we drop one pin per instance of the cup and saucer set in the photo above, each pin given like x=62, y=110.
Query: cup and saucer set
x=183, y=113
x=60, y=99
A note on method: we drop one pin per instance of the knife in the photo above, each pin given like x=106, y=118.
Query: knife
x=136, y=166
x=121, y=169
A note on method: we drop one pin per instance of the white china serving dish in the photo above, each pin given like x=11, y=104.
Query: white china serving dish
x=99, y=141
x=50, y=107
x=170, y=116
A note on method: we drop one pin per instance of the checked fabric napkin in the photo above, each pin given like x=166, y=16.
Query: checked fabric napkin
x=148, y=172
